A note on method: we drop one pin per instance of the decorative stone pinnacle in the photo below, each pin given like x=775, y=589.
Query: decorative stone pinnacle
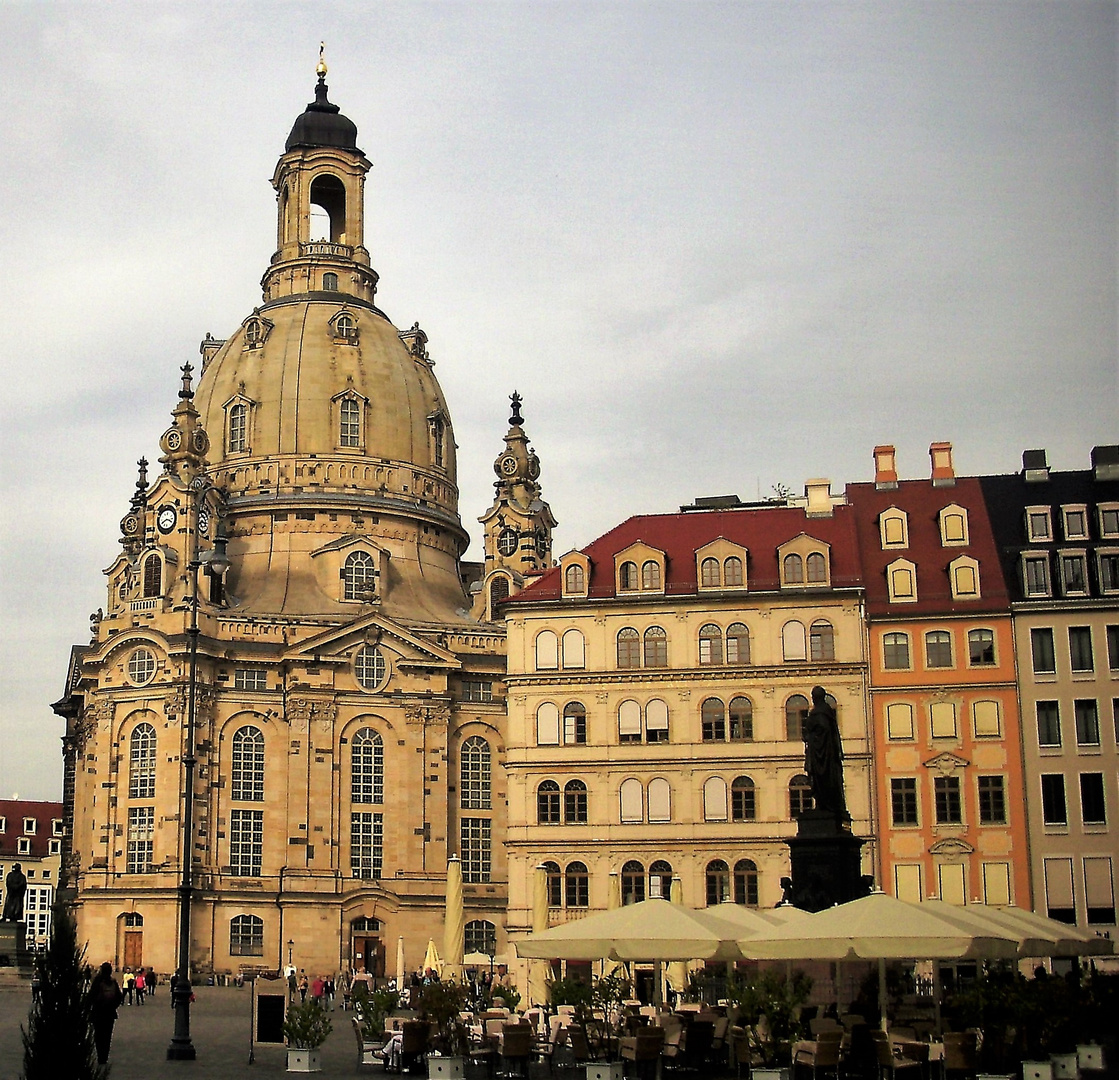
x=516, y=419
x=186, y=393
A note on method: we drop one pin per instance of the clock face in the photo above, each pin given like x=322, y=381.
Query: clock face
x=508, y=465
x=173, y=440
x=130, y=525
x=166, y=519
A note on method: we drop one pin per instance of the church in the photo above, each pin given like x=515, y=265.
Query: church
x=291, y=579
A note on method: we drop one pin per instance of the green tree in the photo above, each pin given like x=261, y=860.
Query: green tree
x=58, y=1039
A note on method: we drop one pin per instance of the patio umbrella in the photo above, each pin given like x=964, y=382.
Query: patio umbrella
x=400, y=983
x=653, y=929
x=678, y=969
x=1036, y=935
x=431, y=958
x=539, y=971
x=454, y=921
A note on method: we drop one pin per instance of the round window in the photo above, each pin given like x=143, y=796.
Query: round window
x=507, y=541
x=370, y=667
x=141, y=666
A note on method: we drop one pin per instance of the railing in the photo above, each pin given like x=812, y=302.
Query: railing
x=325, y=247
x=143, y=605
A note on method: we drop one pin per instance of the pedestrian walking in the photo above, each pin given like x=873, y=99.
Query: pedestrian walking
x=105, y=997
x=140, y=985
x=317, y=987
x=293, y=985
x=328, y=992
x=129, y=982
x=174, y=983
x=303, y=984
x=149, y=982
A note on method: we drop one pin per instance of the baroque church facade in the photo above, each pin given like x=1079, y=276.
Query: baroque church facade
x=301, y=550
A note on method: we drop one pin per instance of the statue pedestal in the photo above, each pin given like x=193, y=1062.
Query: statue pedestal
x=826, y=861
x=13, y=945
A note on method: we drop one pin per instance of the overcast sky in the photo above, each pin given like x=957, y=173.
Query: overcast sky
x=716, y=247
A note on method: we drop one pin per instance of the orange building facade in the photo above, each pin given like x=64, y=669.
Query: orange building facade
x=948, y=775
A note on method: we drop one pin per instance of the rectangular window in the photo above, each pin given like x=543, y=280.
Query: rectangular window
x=477, y=690
x=1109, y=521
x=141, y=836
x=1076, y=523
x=366, y=845
x=246, y=936
x=899, y=720
x=907, y=882
x=1109, y=571
x=1035, y=575
x=1042, y=650
x=1048, y=723
x=1080, y=648
x=938, y=649
x=250, y=679
x=895, y=652
x=992, y=800
x=981, y=647
x=1074, y=575
x=1092, y=808
x=246, y=842
x=1099, y=890
x=903, y=800
x=1113, y=648
x=474, y=849
x=1087, y=722
x=996, y=883
x=1053, y=808
x=943, y=717
x=1060, y=901
x=985, y=717
x=1037, y=523
x=949, y=809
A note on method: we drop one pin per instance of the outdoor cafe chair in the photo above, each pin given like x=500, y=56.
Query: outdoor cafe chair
x=961, y=1054
x=516, y=1049
x=822, y=1055
x=889, y=1063
x=644, y=1049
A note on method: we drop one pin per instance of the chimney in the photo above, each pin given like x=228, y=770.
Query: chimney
x=819, y=498
x=943, y=472
x=885, y=469
x=1035, y=466
x=1105, y=462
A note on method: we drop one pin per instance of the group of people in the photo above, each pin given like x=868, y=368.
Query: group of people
x=322, y=988
x=137, y=984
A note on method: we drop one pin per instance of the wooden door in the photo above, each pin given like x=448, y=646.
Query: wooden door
x=133, y=949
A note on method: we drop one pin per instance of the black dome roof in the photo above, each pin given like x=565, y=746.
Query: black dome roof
x=321, y=124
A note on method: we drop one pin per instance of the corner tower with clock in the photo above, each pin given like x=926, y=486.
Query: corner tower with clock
x=519, y=524
x=349, y=729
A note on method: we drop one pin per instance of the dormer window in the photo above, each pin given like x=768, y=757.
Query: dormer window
x=720, y=565
x=350, y=420
x=893, y=527
x=359, y=575
x=344, y=326
x=639, y=567
x=953, y=526
x=1075, y=522
x=1038, y=525
x=709, y=574
x=816, y=567
x=793, y=570
x=901, y=581
x=29, y=826
x=1109, y=520
x=256, y=331
x=627, y=576
x=732, y=572
x=804, y=561
x=650, y=575
x=964, y=576
x=1074, y=573
x=238, y=422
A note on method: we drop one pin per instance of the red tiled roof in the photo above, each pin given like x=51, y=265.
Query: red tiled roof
x=14, y=811
x=922, y=504
x=760, y=530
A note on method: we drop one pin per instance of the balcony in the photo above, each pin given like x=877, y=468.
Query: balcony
x=325, y=247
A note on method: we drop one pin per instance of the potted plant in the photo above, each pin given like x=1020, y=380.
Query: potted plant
x=770, y=1006
x=306, y=1028
x=439, y=1004
x=376, y=1007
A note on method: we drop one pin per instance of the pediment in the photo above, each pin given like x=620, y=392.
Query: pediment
x=951, y=845
x=344, y=543
x=946, y=763
x=336, y=644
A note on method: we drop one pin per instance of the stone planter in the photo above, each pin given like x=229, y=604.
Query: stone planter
x=774, y=1073
x=1037, y=1070
x=1064, y=1066
x=304, y=1060
x=1089, y=1056
x=445, y=1068
x=606, y=1070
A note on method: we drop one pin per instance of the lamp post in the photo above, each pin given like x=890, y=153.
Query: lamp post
x=181, y=1048
x=291, y=945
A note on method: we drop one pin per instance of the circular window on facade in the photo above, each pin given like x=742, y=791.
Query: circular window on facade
x=141, y=666
x=507, y=541
x=370, y=667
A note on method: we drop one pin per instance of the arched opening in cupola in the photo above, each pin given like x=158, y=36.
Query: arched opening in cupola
x=328, y=209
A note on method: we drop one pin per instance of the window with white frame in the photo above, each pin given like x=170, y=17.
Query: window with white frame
x=247, y=765
x=367, y=767
x=1074, y=573
x=141, y=762
x=140, y=839
x=366, y=844
x=953, y=526
x=1035, y=575
x=1075, y=521
x=246, y=842
x=359, y=576
x=1107, y=564
x=893, y=527
x=895, y=651
x=1038, y=523
x=475, y=849
x=1108, y=515
x=901, y=582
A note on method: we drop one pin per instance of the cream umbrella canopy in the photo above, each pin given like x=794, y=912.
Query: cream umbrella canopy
x=453, y=921
x=539, y=972
x=400, y=983
x=678, y=969
x=650, y=930
x=1036, y=934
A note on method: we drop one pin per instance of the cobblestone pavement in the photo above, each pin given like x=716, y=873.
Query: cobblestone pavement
x=219, y=1030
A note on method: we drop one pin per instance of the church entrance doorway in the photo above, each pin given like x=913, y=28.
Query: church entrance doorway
x=132, y=952
x=367, y=949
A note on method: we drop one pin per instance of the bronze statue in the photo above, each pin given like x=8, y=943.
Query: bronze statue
x=16, y=885
x=823, y=755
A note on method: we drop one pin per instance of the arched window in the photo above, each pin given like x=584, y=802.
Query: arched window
x=141, y=762
x=367, y=767
x=633, y=882
x=499, y=592
x=575, y=802
x=574, y=723
x=629, y=722
x=796, y=712
x=718, y=882
x=742, y=805
x=710, y=644
x=822, y=640
x=895, y=651
x=627, y=576
x=794, y=570
x=650, y=575
x=713, y=723
x=349, y=412
x=574, y=654
x=344, y=325
x=480, y=936
x=247, y=765
x=746, y=882
x=246, y=936
x=547, y=651
x=577, y=886
x=238, y=418
x=660, y=880
x=709, y=574
x=800, y=795
x=715, y=799
x=359, y=576
x=738, y=643
x=555, y=884
x=632, y=798
x=660, y=800
x=574, y=579
x=330, y=284
x=547, y=724
x=817, y=567
x=548, y=803
x=732, y=571
x=438, y=438
x=629, y=648
x=792, y=641
x=656, y=647
x=153, y=576
x=370, y=667
x=656, y=721
x=741, y=719
x=938, y=649
x=475, y=766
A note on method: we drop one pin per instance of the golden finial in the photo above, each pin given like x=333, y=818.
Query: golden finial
x=321, y=68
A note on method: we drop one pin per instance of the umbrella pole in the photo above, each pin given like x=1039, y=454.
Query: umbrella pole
x=658, y=984
x=882, y=999
x=937, y=997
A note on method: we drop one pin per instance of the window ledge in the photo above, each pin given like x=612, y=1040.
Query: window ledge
x=1095, y=828
x=1045, y=676
x=1089, y=749
x=1055, y=828
x=1051, y=751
